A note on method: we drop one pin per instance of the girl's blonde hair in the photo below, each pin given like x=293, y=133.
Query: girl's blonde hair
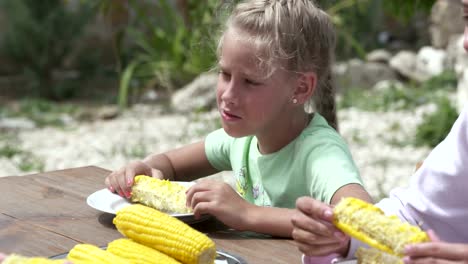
x=294, y=35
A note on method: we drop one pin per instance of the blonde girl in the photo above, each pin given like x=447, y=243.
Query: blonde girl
x=274, y=57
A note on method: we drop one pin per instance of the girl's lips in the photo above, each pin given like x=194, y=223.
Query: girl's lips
x=229, y=116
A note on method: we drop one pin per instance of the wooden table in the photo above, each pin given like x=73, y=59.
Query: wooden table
x=46, y=214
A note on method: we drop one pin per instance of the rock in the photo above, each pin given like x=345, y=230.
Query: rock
x=358, y=74
x=16, y=124
x=430, y=61
x=446, y=21
x=404, y=62
x=379, y=55
x=199, y=94
x=108, y=112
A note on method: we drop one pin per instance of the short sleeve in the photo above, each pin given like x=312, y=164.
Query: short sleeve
x=217, y=148
x=332, y=168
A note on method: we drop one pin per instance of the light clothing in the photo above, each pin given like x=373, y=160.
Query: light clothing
x=317, y=163
x=437, y=197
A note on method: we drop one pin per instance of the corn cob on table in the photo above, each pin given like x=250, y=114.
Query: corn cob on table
x=46, y=215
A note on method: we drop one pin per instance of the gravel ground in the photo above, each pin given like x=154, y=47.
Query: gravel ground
x=378, y=142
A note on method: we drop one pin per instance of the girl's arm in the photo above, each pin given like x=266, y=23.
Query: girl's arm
x=278, y=221
x=351, y=190
x=182, y=164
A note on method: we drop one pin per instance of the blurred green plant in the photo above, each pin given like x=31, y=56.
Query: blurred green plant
x=397, y=97
x=22, y=159
x=437, y=125
x=39, y=36
x=172, y=45
x=171, y=48
x=42, y=112
x=359, y=22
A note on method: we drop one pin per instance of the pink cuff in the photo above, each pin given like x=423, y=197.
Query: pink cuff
x=319, y=260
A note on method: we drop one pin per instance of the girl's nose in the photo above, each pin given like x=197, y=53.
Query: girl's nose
x=229, y=94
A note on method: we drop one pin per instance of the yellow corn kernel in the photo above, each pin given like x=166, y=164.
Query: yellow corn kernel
x=369, y=224
x=163, y=195
x=375, y=256
x=138, y=253
x=89, y=254
x=166, y=234
x=18, y=259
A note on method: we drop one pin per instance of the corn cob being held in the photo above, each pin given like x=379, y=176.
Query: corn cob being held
x=375, y=256
x=369, y=224
x=166, y=234
x=163, y=195
x=18, y=259
x=90, y=254
x=137, y=253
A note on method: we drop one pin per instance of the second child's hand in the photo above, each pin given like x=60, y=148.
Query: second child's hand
x=220, y=200
x=313, y=230
x=436, y=251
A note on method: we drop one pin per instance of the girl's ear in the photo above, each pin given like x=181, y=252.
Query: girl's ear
x=305, y=88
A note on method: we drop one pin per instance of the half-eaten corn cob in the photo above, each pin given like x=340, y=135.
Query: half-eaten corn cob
x=375, y=256
x=137, y=253
x=90, y=254
x=166, y=234
x=163, y=195
x=369, y=224
x=18, y=259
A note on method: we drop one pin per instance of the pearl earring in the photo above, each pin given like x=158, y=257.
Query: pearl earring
x=294, y=100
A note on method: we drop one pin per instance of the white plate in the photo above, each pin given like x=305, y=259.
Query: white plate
x=106, y=201
x=221, y=258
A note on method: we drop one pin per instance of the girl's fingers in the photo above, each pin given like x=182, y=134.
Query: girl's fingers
x=201, y=186
x=312, y=225
x=408, y=260
x=314, y=239
x=439, y=250
x=314, y=208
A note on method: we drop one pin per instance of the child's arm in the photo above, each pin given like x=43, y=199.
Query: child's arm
x=182, y=164
x=313, y=229
x=222, y=201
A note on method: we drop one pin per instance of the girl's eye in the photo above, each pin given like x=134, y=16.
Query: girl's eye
x=224, y=74
x=252, y=82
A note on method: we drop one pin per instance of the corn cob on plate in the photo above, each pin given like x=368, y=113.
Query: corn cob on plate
x=222, y=257
x=108, y=202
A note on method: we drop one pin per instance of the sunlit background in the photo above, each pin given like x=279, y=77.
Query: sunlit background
x=104, y=82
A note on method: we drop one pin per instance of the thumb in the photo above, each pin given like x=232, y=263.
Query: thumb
x=314, y=208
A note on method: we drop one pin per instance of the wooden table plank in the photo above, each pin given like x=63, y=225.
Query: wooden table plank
x=46, y=214
x=29, y=240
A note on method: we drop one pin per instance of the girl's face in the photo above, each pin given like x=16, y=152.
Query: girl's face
x=249, y=102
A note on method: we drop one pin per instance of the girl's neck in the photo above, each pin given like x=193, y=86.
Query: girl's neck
x=283, y=134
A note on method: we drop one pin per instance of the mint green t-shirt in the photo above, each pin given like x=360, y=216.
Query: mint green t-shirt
x=316, y=164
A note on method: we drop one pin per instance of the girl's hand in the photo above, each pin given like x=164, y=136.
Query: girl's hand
x=121, y=181
x=436, y=251
x=220, y=200
x=314, y=232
